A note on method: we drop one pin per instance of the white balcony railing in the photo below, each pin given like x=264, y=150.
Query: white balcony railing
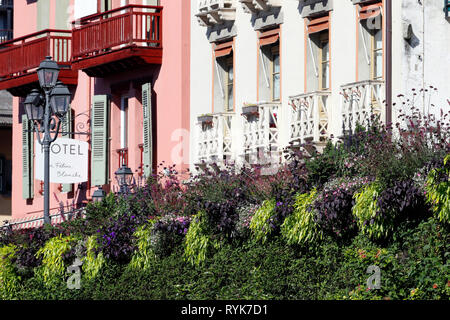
x=360, y=101
x=214, y=140
x=211, y=12
x=261, y=129
x=254, y=6
x=309, y=117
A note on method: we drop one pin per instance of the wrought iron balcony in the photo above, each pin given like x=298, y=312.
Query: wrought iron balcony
x=361, y=100
x=214, y=139
x=255, y=6
x=117, y=40
x=19, y=59
x=309, y=117
x=212, y=12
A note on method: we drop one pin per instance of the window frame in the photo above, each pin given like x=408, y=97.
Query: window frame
x=229, y=82
x=275, y=51
x=324, y=38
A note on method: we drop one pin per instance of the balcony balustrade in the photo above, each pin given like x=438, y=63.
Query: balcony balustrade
x=117, y=40
x=214, y=139
x=309, y=117
x=261, y=129
x=360, y=101
x=19, y=59
x=212, y=12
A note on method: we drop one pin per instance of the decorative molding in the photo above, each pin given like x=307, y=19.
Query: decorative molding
x=255, y=6
x=214, y=12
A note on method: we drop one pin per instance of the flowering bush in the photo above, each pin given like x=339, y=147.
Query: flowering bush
x=115, y=239
x=333, y=207
x=167, y=233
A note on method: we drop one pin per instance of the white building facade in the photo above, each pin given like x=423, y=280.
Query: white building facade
x=267, y=74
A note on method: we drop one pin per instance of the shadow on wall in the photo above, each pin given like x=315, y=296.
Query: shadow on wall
x=310, y=5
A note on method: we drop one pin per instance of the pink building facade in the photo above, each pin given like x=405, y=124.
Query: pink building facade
x=126, y=64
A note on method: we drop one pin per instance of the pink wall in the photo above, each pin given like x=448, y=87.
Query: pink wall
x=171, y=97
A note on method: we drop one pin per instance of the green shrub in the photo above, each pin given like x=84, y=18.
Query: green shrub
x=9, y=281
x=199, y=243
x=366, y=212
x=144, y=254
x=300, y=227
x=52, y=269
x=260, y=223
x=438, y=190
x=92, y=262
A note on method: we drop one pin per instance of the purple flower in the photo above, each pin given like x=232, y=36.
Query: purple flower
x=279, y=204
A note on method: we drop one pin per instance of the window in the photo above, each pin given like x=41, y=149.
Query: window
x=223, y=77
x=229, y=74
x=269, y=82
x=447, y=8
x=370, y=44
x=377, y=55
x=317, y=72
x=324, y=54
x=276, y=73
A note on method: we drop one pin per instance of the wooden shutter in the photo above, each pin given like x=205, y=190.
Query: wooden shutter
x=100, y=135
x=27, y=159
x=147, y=128
x=66, y=126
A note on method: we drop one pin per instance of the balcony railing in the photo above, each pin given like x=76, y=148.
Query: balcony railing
x=261, y=128
x=128, y=26
x=24, y=54
x=309, y=117
x=214, y=139
x=5, y=35
x=123, y=156
x=211, y=12
x=360, y=101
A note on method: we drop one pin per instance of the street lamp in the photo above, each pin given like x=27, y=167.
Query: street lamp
x=124, y=178
x=46, y=111
x=98, y=195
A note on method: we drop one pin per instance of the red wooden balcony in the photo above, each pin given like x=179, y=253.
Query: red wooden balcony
x=19, y=59
x=118, y=40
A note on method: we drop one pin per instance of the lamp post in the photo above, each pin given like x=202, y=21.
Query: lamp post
x=46, y=111
x=98, y=195
x=124, y=177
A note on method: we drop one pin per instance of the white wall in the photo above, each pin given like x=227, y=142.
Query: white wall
x=426, y=62
x=84, y=8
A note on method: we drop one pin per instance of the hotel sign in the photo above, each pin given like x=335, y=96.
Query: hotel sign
x=68, y=161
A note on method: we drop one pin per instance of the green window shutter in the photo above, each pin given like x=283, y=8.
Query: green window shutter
x=27, y=159
x=66, y=126
x=147, y=128
x=99, y=144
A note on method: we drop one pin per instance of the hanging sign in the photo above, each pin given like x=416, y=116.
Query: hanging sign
x=68, y=161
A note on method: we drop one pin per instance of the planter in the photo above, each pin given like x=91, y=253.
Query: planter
x=250, y=110
x=205, y=119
